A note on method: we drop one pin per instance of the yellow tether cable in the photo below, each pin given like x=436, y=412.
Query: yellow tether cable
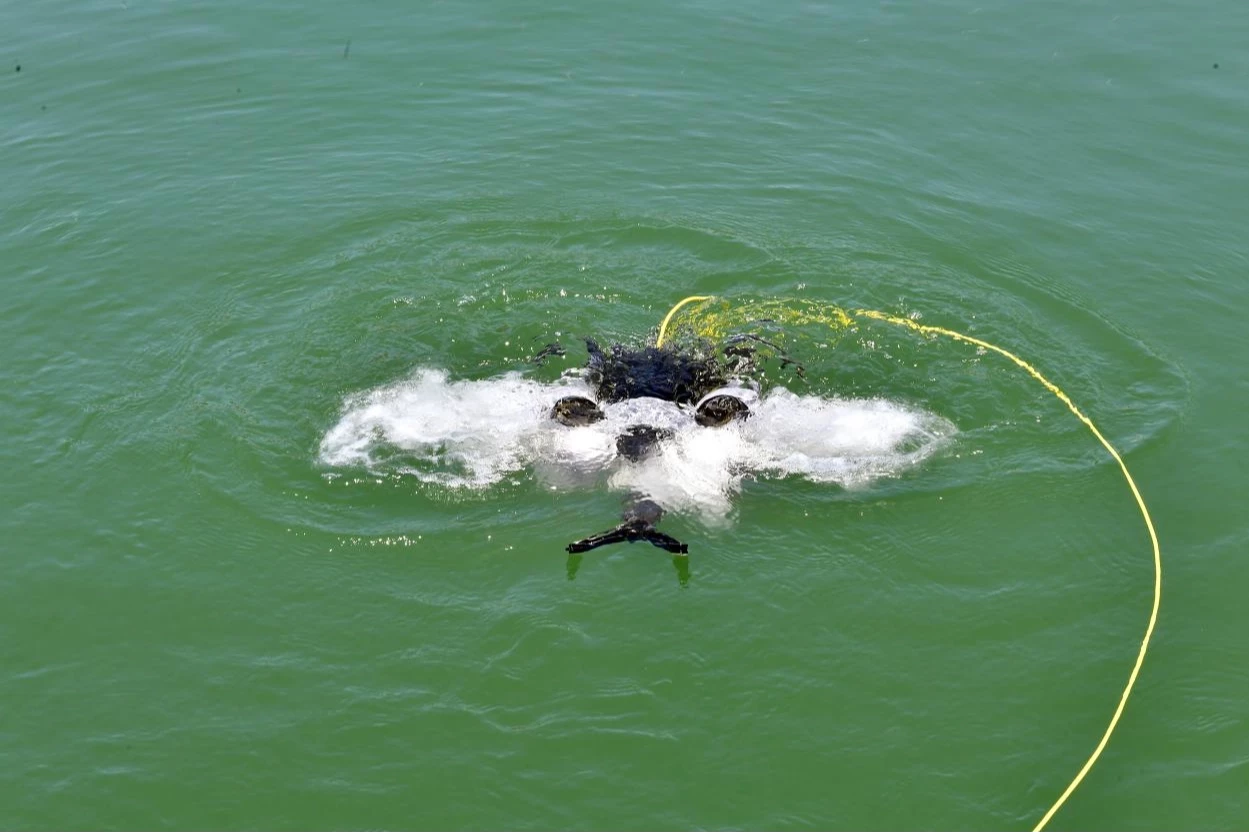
x=1127, y=475
x=663, y=328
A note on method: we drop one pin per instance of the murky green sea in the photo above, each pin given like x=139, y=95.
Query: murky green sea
x=223, y=224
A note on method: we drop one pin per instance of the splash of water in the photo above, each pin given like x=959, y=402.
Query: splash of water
x=472, y=434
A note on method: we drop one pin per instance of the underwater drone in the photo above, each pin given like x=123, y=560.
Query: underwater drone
x=681, y=377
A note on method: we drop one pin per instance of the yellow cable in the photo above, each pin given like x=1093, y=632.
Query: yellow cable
x=659, y=342
x=1127, y=475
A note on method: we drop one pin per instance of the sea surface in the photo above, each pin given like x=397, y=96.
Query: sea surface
x=283, y=527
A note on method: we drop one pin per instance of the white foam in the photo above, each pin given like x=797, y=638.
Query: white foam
x=471, y=434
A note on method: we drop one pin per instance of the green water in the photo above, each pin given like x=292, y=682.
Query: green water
x=219, y=221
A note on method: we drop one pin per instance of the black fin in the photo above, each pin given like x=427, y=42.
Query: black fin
x=629, y=532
